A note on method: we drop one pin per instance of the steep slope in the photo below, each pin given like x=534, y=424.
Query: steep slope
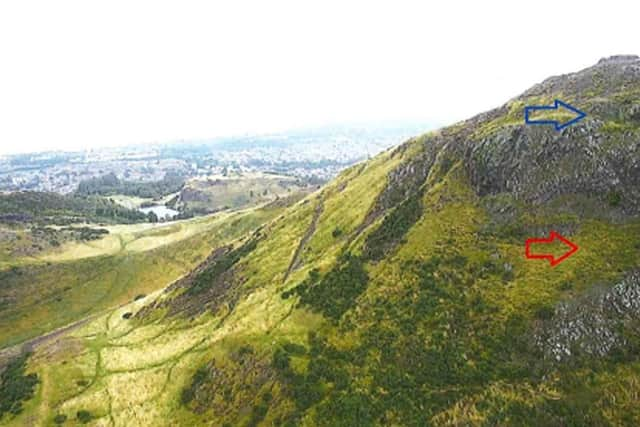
x=399, y=293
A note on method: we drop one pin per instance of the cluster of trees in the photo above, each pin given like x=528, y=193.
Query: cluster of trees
x=56, y=236
x=110, y=184
x=53, y=208
x=15, y=386
x=326, y=379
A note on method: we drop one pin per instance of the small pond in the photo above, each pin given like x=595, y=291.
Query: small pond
x=161, y=211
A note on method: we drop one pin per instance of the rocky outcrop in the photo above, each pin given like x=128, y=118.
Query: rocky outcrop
x=598, y=158
x=537, y=165
x=592, y=325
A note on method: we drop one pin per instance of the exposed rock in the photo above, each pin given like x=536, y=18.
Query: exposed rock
x=596, y=158
x=591, y=325
x=537, y=165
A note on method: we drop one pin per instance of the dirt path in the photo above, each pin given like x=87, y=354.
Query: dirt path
x=34, y=343
x=295, y=261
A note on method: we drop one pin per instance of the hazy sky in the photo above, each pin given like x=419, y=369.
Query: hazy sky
x=80, y=74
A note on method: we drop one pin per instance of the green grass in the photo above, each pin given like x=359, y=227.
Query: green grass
x=615, y=128
x=49, y=295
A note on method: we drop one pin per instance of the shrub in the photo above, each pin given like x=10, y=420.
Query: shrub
x=84, y=416
x=189, y=393
x=614, y=198
x=60, y=419
x=295, y=349
x=508, y=276
x=337, y=291
x=257, y=414
x=281, y=359
x=544, y=313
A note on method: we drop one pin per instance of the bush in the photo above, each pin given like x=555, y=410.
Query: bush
x=84, y=416
x=257, y=414
x=544, y=313
x=281, y=359
x=187, y=396
x=614, y=198
x=189, y=393
x=60, y=419
x=294, y=349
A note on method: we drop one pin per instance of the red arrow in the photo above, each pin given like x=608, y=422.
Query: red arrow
x=573, y=248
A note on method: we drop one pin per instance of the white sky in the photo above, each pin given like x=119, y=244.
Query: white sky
x=80, y=74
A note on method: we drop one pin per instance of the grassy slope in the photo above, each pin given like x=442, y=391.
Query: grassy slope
x=85, y=278
x=148, y=364
x=134, y=372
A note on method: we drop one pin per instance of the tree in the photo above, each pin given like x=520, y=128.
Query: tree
x=84, y=416
x=152, y=217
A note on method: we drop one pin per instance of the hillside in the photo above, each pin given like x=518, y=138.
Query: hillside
x=397, y=294
x=53, y=289
x=235, y=190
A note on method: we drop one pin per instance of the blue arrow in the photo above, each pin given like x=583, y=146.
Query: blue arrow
x=579, y=115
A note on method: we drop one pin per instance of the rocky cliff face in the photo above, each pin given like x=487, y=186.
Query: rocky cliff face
x=597, y=158
x=539, y=165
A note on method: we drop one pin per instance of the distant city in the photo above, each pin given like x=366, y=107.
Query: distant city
x=314, y=153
